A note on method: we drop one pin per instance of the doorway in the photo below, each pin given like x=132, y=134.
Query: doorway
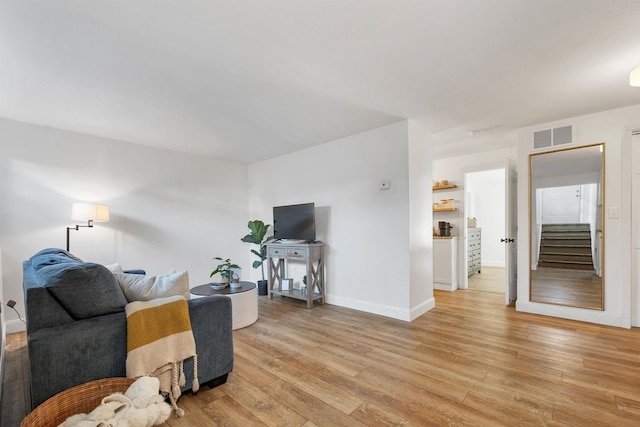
x=485, y=203
x=635, y=228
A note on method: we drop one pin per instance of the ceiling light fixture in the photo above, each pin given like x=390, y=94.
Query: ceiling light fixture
x=634, y=77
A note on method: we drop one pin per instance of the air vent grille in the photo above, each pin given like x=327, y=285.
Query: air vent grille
x=542, y=139
x=562, y=135
x=552, y=137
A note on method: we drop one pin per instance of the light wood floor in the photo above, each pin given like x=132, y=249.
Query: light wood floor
x=490, y=279
x=14, y=393
x=471, y=361
x=566, y=287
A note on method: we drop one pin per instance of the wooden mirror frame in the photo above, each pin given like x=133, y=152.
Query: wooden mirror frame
x=593, y=299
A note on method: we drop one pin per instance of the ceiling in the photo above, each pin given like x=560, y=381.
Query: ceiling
x=247, y=80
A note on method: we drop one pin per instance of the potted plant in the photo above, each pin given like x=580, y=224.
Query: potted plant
x=225, y=270
x=258, y=231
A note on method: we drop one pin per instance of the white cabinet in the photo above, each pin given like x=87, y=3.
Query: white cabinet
x=445, y=263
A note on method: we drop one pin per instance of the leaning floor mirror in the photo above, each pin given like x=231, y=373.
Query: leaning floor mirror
x=566, y=200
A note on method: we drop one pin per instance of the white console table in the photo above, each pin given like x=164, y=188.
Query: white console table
x=313, y=256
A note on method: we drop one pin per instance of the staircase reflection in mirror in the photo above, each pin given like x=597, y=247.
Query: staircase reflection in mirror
x=565, y=220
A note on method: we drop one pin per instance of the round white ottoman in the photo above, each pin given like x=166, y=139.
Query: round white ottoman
x=244, y=301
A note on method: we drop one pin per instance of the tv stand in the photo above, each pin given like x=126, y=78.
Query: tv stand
x=313, y=256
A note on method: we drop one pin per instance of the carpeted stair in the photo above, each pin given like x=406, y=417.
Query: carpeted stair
x=566, y=246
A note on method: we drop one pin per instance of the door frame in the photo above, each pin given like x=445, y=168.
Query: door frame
x=500, y=164
x=634, y=235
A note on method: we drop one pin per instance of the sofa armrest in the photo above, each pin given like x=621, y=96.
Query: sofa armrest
x=42, y=310
x=74, y=353
x=212, y=330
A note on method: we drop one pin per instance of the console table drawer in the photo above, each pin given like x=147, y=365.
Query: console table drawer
x=277, y=252
x=297, y=253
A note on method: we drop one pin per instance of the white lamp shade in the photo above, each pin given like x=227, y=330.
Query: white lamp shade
x=90, y=211
x=634, y=77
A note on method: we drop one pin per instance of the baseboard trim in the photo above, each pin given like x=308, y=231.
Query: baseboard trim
x=15, y=325
x=573, y=313
x=398, y=313
x=423, y=308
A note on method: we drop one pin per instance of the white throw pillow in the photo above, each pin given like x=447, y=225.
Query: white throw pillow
x=114, y=268
x=138, y=287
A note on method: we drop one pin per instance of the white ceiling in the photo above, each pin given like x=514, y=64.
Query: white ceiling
x=252, y=79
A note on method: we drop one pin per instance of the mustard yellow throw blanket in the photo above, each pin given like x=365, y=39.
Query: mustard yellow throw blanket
x=159, y=339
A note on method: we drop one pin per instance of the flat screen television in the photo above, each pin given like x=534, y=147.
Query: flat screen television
x=294, y=222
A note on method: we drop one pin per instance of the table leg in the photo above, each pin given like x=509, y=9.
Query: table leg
x=270, y=279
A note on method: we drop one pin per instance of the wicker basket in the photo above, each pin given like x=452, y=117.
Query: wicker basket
x=82, y=398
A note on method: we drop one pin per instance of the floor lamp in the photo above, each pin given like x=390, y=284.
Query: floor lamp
x=89, y=212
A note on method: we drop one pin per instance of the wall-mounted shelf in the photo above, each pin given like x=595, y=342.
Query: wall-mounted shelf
x=444, y=209
x=445, y=187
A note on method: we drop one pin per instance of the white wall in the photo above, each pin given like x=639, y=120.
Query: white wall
x=488, y=207
x=614, y=129
x=420, y=218
x=454, y=169
x=3, y=330
x=168, y=210
x=366, y=229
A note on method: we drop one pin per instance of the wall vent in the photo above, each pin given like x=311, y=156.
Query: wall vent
x=542, y=139
x=552, y=137
x=562, y=135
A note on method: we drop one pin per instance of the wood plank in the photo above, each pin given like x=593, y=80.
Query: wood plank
x=260, y=404
x=309, y=406
x=228, y=412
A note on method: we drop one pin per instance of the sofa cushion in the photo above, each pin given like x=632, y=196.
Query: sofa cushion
x=137, y=287
x=84, y=289
x=114, y=268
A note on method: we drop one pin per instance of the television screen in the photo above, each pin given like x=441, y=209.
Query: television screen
x=294, y=222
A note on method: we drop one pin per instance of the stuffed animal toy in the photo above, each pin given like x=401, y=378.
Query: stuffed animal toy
x=140, y=406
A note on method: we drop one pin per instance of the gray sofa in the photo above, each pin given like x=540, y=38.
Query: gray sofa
x=77, y=327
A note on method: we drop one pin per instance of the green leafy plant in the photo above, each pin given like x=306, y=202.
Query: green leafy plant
x=224, y=269
x=258, y=231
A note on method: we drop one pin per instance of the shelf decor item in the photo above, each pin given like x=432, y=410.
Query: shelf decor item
x=442, y=186
x=444, y=205
x=225, y=270
x=287, y=284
